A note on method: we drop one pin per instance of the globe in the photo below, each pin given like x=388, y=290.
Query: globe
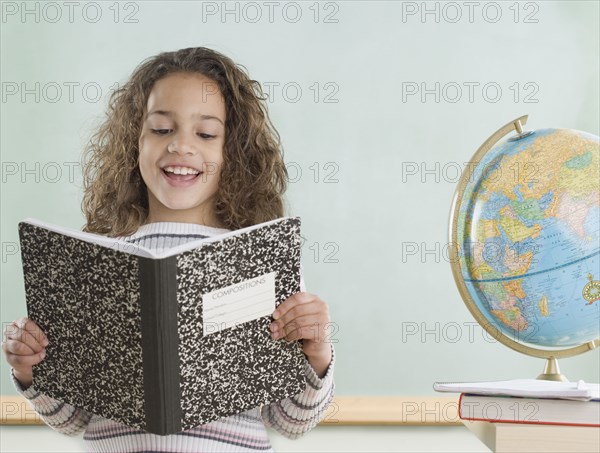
x=525, y=235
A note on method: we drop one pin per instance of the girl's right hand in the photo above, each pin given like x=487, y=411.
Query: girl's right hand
x=24, y=346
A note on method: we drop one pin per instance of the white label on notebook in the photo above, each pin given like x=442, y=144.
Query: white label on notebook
x=239, y=303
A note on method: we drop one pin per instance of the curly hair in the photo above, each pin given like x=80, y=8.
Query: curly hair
x=253, y=175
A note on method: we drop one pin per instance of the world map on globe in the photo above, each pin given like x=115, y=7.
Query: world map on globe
x=528, y=234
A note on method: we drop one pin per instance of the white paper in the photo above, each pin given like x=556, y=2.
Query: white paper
x=535, y=388
x=136, y=249
x=239, y=303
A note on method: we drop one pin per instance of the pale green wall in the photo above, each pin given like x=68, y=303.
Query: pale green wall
x=367, y=135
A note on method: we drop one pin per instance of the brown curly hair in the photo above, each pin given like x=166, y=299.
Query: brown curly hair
x=253, y=175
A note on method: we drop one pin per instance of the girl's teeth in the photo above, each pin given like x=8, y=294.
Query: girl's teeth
x=181, y=171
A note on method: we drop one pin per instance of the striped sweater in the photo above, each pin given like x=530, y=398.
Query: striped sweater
x=246, y=431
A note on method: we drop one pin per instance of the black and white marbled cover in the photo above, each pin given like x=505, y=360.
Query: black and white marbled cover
x=241, y=367
x=85, y=297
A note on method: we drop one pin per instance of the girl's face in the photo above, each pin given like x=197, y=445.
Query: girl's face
x=183, y=132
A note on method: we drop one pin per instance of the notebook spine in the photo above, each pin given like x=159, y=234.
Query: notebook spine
x=158, y=287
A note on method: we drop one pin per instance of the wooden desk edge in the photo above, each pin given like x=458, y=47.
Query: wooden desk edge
x=343, y=410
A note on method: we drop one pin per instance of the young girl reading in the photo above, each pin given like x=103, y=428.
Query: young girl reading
x=187, y=151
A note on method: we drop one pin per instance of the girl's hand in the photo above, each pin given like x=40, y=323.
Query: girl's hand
x=24, y=346
x=305, y=316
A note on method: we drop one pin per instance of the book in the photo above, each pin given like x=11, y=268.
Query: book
x=518, y=437
x=529, y=410
x=535, y=388
x=163, y=341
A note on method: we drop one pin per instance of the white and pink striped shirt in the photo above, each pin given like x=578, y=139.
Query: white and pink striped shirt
x=292, y=417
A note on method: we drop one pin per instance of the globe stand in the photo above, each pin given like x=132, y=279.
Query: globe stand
x=552, y=371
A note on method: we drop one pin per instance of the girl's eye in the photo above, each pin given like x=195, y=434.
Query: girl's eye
x=166, y=131
x=160, y=131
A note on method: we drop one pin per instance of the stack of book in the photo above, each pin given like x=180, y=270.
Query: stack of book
x=530, y=415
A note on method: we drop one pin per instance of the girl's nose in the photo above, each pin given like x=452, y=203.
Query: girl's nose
x=181, y=146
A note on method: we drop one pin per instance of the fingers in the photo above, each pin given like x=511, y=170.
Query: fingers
x=23, y=344
x=20, y=356
x=304, y=327
x=27, y=334
x=302, y=315
x=292, y=302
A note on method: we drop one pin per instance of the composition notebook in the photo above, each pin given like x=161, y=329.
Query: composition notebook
x=169, y=341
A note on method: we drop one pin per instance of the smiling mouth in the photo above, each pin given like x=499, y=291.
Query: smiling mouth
x=177, y=177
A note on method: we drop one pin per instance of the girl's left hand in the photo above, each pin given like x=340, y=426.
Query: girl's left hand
x=305, y=316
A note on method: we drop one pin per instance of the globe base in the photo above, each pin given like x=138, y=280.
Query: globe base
x=552, y=371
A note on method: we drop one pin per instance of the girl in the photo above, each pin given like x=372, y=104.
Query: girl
x=187, y=151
